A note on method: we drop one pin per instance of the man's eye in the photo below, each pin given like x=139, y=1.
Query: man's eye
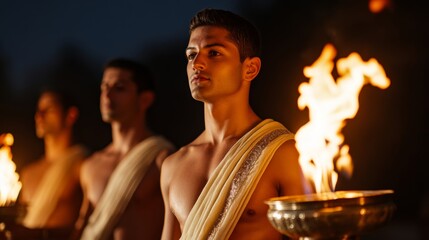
x=119, y=87
x=214, y=53
x=191, y=56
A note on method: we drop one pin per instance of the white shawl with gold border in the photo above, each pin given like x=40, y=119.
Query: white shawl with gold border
x=226, y=194
x=121, y=187
x=49, y=190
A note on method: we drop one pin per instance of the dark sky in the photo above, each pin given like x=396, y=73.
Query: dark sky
x=33, y=32
x=67, y=42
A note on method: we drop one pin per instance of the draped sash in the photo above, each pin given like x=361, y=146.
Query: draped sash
x=121, y=187
x=51, y=186
x=227, y=193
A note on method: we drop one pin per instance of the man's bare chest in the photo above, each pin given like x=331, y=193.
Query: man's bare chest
x=97, y=176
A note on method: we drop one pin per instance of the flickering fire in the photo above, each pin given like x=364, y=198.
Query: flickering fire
x=320, y=142
x=9, y=179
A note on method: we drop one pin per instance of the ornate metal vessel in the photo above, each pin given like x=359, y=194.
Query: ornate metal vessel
x=331, y=215
x=13, y=213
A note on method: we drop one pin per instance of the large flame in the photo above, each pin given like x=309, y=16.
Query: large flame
x=330, y=103
x=9, y=183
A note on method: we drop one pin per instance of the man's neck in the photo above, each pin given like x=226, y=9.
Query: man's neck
x=57, y=146
x=125, y=138
x=223, y=123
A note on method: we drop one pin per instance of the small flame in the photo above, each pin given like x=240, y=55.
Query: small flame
x=330, y=103
x=9, y=183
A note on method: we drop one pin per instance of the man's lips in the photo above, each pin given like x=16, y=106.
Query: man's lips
x=107, y=105
x=199, y=78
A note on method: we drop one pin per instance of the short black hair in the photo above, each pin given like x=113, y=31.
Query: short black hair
x=64, y=97
x=242, y=31
x=142, y=76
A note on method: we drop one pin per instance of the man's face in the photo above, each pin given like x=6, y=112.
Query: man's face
x=119, y=97
x=50, y=116
x=214, y=68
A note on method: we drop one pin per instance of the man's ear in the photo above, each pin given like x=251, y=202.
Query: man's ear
x=251, y=68
x=147, y=98
x=72, y=115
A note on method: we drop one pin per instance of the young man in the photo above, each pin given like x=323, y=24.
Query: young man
x=215, y=187
x=51, y=186
x=121, y=182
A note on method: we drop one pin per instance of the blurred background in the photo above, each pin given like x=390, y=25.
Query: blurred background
x=67, y=43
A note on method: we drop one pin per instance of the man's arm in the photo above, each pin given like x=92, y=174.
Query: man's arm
x=85, y=212
x=85, y=208
x=285, y=165
x=171, y=229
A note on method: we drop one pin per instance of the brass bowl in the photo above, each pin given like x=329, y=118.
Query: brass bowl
x=331, y=215
x=13, y=213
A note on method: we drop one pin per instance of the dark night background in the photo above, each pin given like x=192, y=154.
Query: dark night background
x=67, y=43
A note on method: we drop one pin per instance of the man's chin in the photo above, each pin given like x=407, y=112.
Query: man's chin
x=108, y=118
x=197, y=96
x=40, y=134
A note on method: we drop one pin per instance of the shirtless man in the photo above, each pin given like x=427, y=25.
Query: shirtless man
x=215, y=187
x=51, y=186
x=121, y=182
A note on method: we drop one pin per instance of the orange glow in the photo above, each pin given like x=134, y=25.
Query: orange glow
x=376, y=6
x=9, y=183
x=330, y=103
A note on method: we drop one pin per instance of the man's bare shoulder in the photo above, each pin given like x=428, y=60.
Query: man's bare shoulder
x=97, y=161
x=186, y=151
x=286, y=169
x=288, y=150
x=176, y=156
x=98, y=156
x=30, y=177
x=286, y=157
x=184, y=158
x=34, y=164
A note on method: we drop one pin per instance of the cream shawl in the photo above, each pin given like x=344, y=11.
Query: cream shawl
x=121, y=186
x=49, y=190
x=226, y=194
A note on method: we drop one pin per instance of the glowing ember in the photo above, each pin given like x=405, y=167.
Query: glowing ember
x=9, y=184
x=330, y=102
x=376, y=6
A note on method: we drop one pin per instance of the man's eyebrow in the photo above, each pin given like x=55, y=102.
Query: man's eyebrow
x=215, y=45
x=190, y=48
x=207, y=46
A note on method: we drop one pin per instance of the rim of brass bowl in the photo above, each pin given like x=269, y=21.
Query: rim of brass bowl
x=330, y=199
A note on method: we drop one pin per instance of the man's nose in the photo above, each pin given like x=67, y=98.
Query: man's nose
x=107, y=92
x=39, y=114
x=198, y=63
